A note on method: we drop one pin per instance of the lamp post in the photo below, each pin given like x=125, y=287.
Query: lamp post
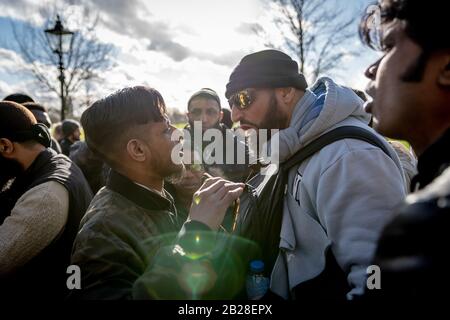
x=60, y=42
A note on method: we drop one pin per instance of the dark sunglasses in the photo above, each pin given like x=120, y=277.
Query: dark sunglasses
x=242, y=99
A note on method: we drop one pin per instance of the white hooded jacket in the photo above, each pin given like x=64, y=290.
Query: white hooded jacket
x=340, y=198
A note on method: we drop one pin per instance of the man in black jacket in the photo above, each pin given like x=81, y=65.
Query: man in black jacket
x=43, y=196
x=410, y=87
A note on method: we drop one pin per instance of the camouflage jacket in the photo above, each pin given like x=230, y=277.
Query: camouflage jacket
x=123, y=228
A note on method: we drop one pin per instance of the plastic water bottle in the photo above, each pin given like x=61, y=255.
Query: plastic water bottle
x=256, y=284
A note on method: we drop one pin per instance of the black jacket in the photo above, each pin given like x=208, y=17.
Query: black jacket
x=412, y=250
x=123, y=228
x=45, y=276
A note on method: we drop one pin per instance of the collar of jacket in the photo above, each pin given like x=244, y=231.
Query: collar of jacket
x=137, y=194
x=40, y=161
x=432, y=162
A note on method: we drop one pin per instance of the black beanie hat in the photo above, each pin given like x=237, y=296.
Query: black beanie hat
x=205, y=93
x=265, y=69
x=69, y=126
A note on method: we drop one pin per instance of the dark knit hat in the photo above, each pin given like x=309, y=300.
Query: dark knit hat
x=69, y=126
x=265, y=69
x=205, y=93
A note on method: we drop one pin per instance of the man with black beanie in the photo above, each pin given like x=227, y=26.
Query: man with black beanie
x=43, y=197
x=334, y=205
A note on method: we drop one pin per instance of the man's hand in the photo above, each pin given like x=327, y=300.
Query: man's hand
x=211, y=201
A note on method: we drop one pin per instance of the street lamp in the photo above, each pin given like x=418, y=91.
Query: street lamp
x=60, y=42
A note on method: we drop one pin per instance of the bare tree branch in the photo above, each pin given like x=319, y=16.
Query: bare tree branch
x=317, y=35
x=86, y=55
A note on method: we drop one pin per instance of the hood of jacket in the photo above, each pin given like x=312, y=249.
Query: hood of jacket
x=321, y=108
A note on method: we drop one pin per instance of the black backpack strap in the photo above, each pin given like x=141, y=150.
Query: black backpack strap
x=345, y=132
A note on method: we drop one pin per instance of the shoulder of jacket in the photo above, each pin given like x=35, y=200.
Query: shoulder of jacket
x=439, y=188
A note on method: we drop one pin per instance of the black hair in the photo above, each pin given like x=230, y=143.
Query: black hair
x=18, y=98
x=18, y=124
x=108, y=120
x=426, y=24
x=34, y=106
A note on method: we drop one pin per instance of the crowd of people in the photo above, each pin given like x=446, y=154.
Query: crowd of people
x=140, y=225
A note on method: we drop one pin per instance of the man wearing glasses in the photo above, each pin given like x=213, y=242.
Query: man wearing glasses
x=338, y=200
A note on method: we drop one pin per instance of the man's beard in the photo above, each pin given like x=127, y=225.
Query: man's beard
x=9, y=169
x=273, y=119
x=176, y=176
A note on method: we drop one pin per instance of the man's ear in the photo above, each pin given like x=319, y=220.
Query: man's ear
x=6, y=148
x=220, y=116
x=286, y=94
x=137, y=150
x=444, y=74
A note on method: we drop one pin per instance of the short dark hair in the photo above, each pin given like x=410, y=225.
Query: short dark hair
x=18, y=98
x=15, y=118
x=108, y=120
x=34, y=106
x=426, y=21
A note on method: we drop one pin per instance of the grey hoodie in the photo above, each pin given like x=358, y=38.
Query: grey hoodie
x=338, y=199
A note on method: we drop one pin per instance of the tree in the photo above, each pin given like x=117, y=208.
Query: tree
x=315, y=31
x=83, y=63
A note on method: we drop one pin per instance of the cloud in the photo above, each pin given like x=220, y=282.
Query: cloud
x=133, y=19
x=249, y=28
x=15, y=77
x=229, y=59
x=10, y=62
x=174, y=50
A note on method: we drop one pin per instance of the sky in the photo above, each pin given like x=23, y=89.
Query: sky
x=175, y=46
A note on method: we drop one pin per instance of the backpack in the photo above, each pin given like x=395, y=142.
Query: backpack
x=261, y=205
